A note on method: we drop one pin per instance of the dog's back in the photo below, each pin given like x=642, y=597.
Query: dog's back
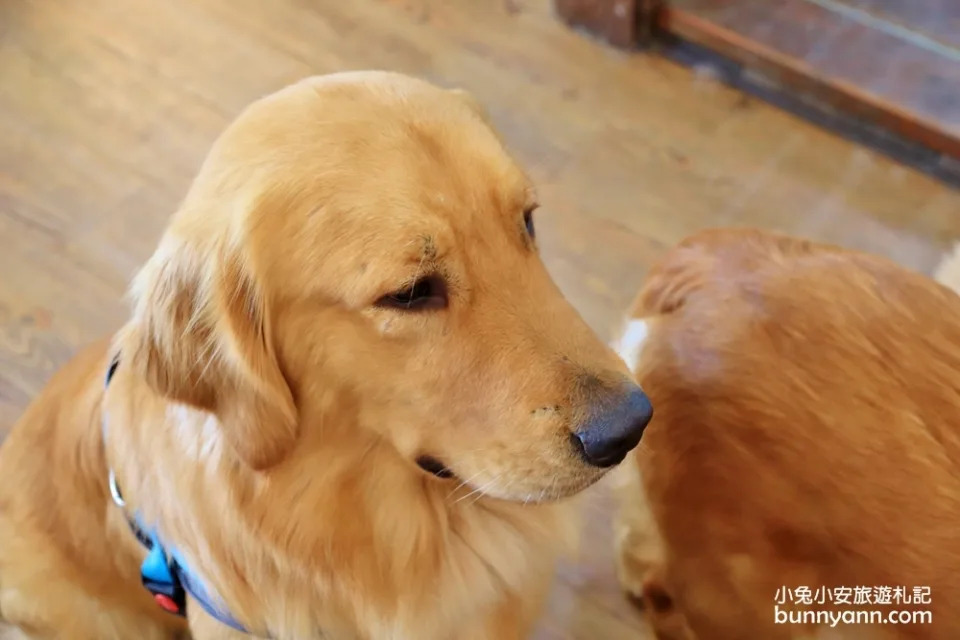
x=807, y=433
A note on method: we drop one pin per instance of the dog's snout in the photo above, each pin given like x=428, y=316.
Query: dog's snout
x=607, y=437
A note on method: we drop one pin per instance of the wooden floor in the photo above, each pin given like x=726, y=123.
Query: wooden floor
x=892, y=63
x=106, y=109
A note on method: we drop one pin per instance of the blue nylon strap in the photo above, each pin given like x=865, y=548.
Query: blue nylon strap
x=199, y=593
x=164, y=572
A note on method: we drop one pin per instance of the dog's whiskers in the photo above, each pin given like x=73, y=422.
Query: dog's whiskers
x=554, y=494
x=464, y=483
x=479, y=491
x=482, y=491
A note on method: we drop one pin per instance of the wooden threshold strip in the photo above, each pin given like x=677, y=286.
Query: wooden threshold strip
x=896, y=74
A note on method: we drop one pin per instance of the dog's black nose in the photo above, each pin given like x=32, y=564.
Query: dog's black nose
x=606, y=438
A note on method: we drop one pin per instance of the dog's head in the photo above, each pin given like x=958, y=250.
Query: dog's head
x=359, y=253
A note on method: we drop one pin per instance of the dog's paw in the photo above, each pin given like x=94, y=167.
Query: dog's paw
x=947, y=272
x=665, y=619
x=637, y=542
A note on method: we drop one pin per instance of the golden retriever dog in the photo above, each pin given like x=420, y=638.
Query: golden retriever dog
x=348, y=404
x=801, y=478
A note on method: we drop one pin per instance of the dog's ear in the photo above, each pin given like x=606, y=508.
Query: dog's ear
x=200, y=336
x=669, y=282
x=712, y=255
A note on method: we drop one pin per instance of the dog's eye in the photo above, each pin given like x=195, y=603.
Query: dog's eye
x=426, y=293
x=528, y=222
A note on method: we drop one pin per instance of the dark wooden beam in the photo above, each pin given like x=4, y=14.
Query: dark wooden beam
x=900, y=76
x=614, y=21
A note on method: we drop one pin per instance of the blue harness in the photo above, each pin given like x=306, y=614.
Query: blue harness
x=164, y=573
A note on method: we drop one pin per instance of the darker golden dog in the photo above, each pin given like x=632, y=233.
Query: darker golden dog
x=347, y=405
x=802, y=476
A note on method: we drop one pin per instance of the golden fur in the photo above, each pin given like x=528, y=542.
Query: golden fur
x=267, y=411
x=807, y=434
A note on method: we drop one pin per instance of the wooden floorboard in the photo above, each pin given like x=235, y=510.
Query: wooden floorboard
x=892, y=68
x=107, y=108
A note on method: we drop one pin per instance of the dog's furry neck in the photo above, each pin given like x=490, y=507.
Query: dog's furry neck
x=351, y=516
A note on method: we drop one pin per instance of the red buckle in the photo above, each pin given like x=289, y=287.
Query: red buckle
x=166, y=603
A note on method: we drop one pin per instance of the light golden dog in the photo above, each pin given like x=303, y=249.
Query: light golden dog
x=802, y=476
x=347, y=403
